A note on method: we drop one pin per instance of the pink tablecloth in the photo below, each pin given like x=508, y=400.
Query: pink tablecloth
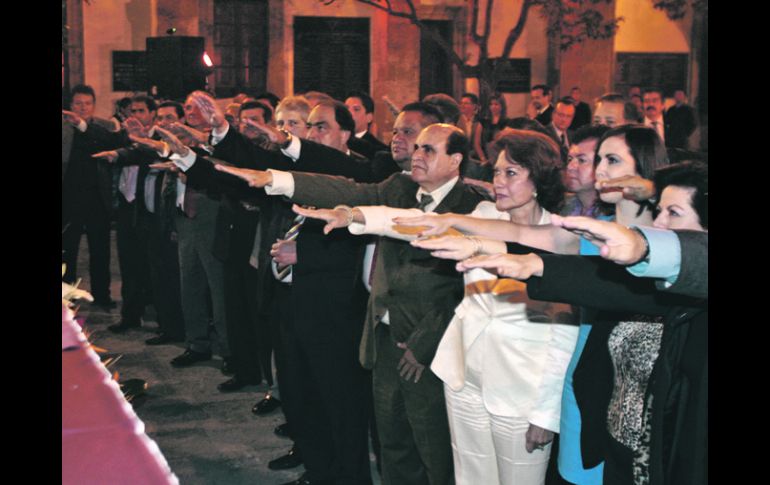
x=103, y=441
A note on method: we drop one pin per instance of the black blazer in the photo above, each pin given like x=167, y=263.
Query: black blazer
x=604, y=286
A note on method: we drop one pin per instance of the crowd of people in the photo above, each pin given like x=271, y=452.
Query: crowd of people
x=454, y=299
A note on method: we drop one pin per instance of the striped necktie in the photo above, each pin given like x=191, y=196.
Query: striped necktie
x=291, y=235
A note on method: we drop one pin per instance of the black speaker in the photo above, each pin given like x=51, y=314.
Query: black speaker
x=175, y=66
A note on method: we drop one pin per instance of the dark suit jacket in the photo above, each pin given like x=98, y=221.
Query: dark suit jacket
x=367, y=145
x=679, y=122
x=544, y=118
x=564, y=151
x=582, y=116
x=419, y=292
x=78, y=168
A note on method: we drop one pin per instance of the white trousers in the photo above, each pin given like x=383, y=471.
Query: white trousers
x=489, y=449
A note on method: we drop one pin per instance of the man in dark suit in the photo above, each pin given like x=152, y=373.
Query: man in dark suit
x=361, y=107
x=87, y=191
x=582, y=110
x=653, y=113
x=132, y=249
x=403, y=328
x=541, y=101
x=559, y=127
x=152, y=228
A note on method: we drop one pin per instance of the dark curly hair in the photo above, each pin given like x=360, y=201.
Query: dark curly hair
x=690, y=175
x=539, y=154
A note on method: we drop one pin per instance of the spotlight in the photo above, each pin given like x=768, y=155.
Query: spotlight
x=171, y=31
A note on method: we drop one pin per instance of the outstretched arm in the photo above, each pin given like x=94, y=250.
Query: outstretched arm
x=546, y=237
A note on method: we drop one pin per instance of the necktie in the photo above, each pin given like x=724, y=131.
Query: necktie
x=291, y=235
x=425, y=201
x=655, y=125
x=254, y=257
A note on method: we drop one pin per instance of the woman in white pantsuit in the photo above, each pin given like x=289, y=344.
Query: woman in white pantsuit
x=502, y=362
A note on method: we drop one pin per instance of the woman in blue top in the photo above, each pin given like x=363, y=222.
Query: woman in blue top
x=630, y=150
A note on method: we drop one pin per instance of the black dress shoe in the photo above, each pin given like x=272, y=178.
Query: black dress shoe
x=124, y=325
x=289, y=460
x=189, y=357
x=282, y=430
x=106, y=304
x=235, y=383
x=227, y=367
x=162, y=339
x=266, y=405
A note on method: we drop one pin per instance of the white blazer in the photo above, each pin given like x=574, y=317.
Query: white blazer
x=507, y=339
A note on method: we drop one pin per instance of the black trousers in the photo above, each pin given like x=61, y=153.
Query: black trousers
x=163, y=265
x=132, y=259
x=327, y=401
x=87, y=214
x=249, y=353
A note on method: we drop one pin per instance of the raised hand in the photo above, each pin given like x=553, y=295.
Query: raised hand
x=174, y=143
x=188, y=135
x=209, y=109
x=255, y=129
x=134, y=127
x=617, y=243
x=450, y=247
x=167, y=166
x=335, y=218
x=149, y=143
x=634, y=187
x=517, y=266
x=70, y=117
x=255, y=178
x=110, y=155
x=395, y=110
x=430, y=224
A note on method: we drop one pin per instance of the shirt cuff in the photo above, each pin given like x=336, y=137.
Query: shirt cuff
x=82, y=126
x=665, y=256
x=379, y=220
x=283, y=184
x=184, y=163
x=217, y=136
x=166, y=153
x=292, y=151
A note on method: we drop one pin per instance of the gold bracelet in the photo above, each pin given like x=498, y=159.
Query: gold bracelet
x=478, y=245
